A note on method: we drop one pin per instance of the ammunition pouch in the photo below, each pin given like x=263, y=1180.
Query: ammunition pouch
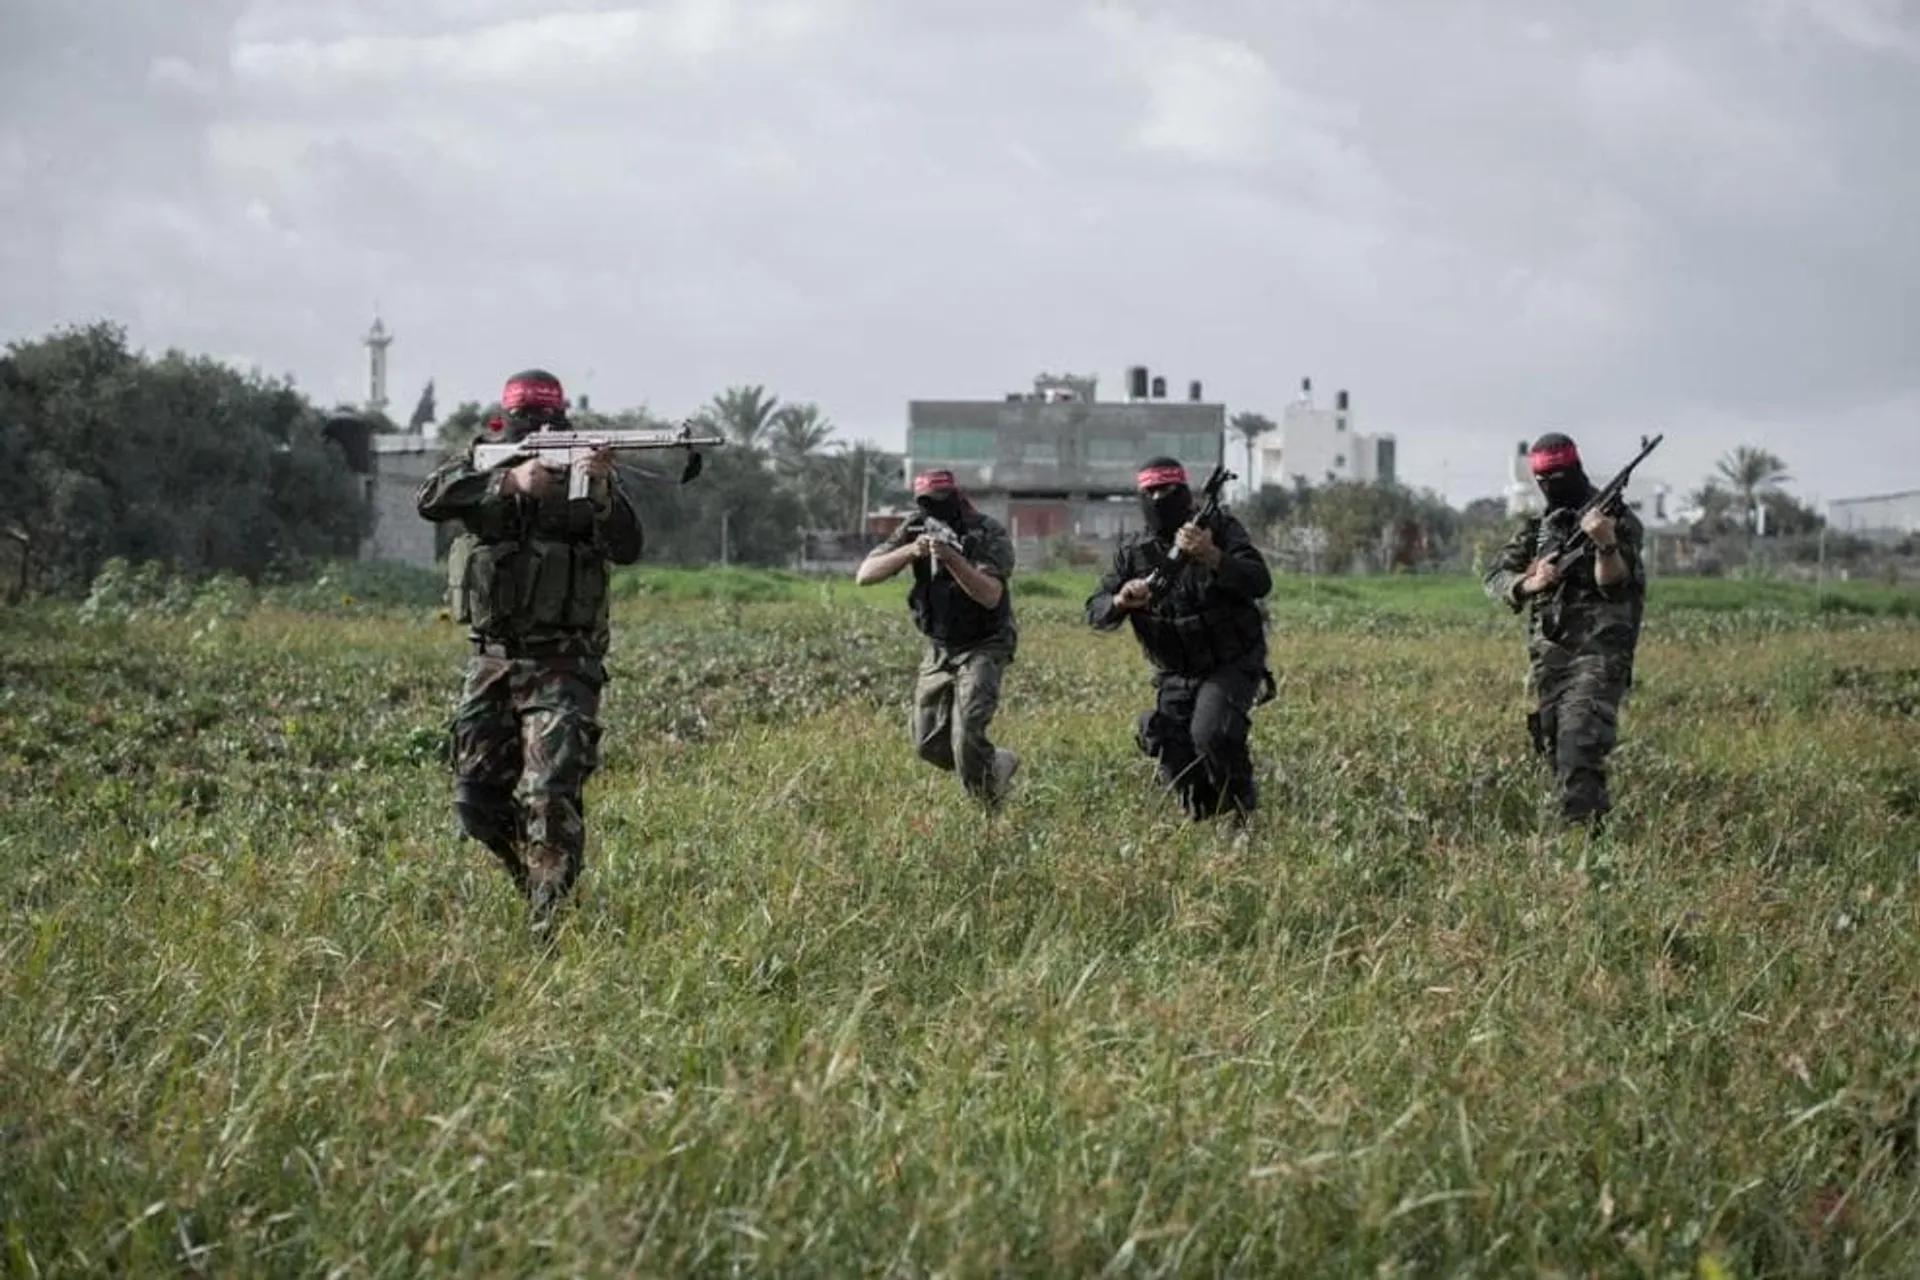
x=1193, y=644
x=506, y=588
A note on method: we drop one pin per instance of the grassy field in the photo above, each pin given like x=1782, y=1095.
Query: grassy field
x=262, y=1013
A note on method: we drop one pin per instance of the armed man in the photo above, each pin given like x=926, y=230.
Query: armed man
x=528, y=573
x=1577, y=571
x=962, y=561
x=1191, y=585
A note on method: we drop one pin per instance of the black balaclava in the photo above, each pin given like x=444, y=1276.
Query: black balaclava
x=1166, y=501
x=1556, y=467
x=935, y=493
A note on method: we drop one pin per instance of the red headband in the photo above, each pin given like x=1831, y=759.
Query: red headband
x=532, y=393
x=932, y=482
x=1154, y=477
x=1557, y=458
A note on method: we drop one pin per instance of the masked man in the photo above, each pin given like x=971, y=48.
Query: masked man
x=1204, y=632
x=962, y=560
x=528, y=573
x=1583, y=624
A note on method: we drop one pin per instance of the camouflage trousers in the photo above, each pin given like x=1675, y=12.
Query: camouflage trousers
x=954, y=699
x=1576, y=724
x=526, y=737
x=1197, y=732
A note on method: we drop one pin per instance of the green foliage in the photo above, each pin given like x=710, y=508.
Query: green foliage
x=114, y=454
x=814, y=1015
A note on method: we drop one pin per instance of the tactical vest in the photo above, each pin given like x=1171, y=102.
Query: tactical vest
x=1193, y=643
x=1194, y=630
x=1578, y=611
x=945, y=613
x=535, y=570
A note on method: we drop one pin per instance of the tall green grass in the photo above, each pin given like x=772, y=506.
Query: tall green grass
x=814, y=1014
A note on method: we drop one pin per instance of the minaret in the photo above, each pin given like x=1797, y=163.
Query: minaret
x=377, y=341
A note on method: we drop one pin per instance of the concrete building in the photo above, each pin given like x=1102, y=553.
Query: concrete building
x=390, y=468
x=1886, y=518
x=1318, y=446
x=1058, y=461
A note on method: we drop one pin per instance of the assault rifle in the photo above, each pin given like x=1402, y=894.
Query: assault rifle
x=568, y=450
x=1161, y=580
x=1610, y=500
x=940, y=531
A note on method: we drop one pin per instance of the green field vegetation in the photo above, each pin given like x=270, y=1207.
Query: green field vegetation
x=264, y=1014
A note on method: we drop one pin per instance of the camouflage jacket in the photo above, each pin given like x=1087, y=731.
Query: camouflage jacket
x=1207, y=618
x=1582, y=616
x=529, y=574
x=949, y=617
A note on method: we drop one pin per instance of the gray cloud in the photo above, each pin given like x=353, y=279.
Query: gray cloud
x=1484, y=219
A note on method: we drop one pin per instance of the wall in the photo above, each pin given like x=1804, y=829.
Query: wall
x=400, y=463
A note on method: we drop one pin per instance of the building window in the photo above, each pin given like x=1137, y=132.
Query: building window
x=954, y=444
x=1190, y=447
x=1040, y=451
x=1111, y=449
x=1339, y=459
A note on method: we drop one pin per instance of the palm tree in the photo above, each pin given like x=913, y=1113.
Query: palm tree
x=1750, y=472
x=797, y=432
x=745, y=414
x=854, y=479
x=1251, y=427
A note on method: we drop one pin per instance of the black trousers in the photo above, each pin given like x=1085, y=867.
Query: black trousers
x=1197, y=733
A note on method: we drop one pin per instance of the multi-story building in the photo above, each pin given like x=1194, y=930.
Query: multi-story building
x=1058, y=461
x=1322, y=446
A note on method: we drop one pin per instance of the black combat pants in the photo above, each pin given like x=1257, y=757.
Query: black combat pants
x=1197, y=732
x=1576, y=724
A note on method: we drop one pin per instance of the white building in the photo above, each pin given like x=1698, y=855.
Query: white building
x=1321, y=446
x=1881, y=517
x=1523, y=495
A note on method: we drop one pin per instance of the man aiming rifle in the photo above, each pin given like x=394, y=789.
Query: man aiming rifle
x=528, y=572
x=962, y=562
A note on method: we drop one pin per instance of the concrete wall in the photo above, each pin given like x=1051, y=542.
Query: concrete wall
x=400, y=463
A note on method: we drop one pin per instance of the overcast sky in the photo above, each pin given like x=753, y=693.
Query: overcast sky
x=1484, y=219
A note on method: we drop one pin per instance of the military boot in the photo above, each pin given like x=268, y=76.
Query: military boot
x=513, y=864
x=548, y=878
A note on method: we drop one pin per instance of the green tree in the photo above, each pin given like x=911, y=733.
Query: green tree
x=796, y=433
x=745, y=414
x=422, y=410
x=1251, y=426
x=1750, y=472
x=177, y=459
x=458, y=428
